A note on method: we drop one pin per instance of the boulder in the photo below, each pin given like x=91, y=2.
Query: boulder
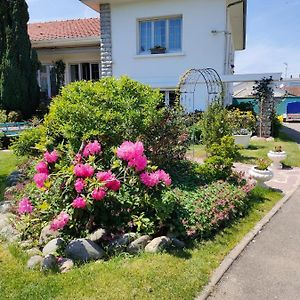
x=97, y=235
x=34, y=262
x=5, y=207
x=270, y=139
x=120, y=243
x=65, y=265
x=4, y=220
x=49, y=263
x=53, y=246
x=158, y=244
x=84, y=250
x=9, y=233
x=47, y=234
x=139, y=244
x=177, y=243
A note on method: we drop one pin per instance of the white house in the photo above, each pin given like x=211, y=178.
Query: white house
x=183, y=34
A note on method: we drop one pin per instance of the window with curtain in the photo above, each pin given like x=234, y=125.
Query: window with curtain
x=165, y=33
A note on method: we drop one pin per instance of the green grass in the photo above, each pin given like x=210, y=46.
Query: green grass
x=8, y=162
x=179, y=275
x=259, y=149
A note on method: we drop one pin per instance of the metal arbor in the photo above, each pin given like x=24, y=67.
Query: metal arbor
x=193, y=78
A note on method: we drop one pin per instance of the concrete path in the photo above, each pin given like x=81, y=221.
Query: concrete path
x=269, y=268
x=292, y=129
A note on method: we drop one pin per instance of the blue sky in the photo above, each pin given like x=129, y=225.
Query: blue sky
x=273, y=31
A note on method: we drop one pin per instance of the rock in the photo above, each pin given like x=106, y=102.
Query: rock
x=47, y=234
x=65, y=265
x=257, y=138
x=53, y=246
x=177, y=243
x=34, y=261
x=97, y=235
x=138, y=245
x=49, y=263
x=4, y=220
x=9, y=233
x=158, y=244
x=33, y=252
x=270, y=139
x=120, y=243
x=5, y=207
x=84, y=250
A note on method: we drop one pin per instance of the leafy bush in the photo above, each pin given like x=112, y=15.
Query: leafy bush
x=111, y=110
x=77, y=193
x=241, y=121
x=14, y=116
x=214, y=124
x=3, y=116
x=212, y=207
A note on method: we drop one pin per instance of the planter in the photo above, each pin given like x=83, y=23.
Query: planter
x=242, y=139
x=158, y=50
x=277, y=158
x=261, y=176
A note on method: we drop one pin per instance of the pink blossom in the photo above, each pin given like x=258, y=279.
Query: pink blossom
x=60, y=221
x=98, y=194
x=80, y=184
x=110, y=180
x=79, y=203
x=40, y=179
x=92, y=149
x=51, y=157
x=129, y=150
x=83, y=171
x=78, y=158
x=42, y=167
x=154, y=178
x=139, y=163
x=25, y=206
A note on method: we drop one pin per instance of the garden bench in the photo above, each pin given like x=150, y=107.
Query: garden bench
x=14, y=128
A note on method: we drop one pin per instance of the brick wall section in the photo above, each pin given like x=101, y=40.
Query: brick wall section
x=105, y=41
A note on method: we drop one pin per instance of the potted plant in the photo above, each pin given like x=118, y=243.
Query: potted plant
x=261, y=172
x=158, y=50
x=277, y=156
x=242, y=123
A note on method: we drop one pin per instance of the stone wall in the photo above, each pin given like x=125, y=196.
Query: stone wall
x=267, y=112
x=105, y=41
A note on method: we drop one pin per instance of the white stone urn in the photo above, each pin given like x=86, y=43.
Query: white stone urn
x=276, y=158
x=242, y=139
x=261, y=176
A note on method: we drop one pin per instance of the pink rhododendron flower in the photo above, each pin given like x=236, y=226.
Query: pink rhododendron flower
x=80, y=184
x=110, y=180
x=98, y=194
x=25, y=206
x=83, y=171
x=154, y=178
x=42, y=167
x=51, y=157
x=129, y=150
x=79, y=203
x=139, y=163
x=92, y=149
x=78, y=158
x=60, y=221
x=40, y=179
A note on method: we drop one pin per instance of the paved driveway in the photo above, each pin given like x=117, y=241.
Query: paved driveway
x=293, y=130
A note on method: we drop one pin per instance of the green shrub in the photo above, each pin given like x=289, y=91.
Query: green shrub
x=14, y=116
x=3, y=117
x=214, y=124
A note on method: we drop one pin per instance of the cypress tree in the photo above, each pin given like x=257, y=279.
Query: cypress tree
x=18, y=62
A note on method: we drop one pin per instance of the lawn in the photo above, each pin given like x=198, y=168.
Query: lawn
x=178, y=275
x=259, y=149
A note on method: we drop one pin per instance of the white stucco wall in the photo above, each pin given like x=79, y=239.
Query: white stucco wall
x=200, y=47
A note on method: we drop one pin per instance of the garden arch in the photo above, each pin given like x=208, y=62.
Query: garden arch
x=195, y=80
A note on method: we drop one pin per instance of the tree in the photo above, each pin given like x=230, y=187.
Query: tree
x=18, y=62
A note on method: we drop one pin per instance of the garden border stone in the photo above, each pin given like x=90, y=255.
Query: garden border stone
x=240, y=247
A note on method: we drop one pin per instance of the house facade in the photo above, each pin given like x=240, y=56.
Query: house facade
x=75, y=42
x=156, y=41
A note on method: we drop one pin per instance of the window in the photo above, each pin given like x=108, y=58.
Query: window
x=84, y=71
x=165, y=33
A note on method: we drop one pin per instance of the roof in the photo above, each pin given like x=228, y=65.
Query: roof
x=69, y=29
x=293, y=90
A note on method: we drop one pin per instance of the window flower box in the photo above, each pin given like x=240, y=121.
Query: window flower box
x=158, y=50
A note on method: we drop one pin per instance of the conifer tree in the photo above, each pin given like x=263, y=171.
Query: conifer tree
x=18, y=62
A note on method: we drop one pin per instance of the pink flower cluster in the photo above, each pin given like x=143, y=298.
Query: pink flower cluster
x=51, y=157
x=134, y=154
x=98, y=194
x=92, y=149
x=25, y=206
x=83, y=171
x=42, y=167
x=79, y=202
x=60, y=221
x=154, y=178
x=80, y=184
x=110, y=180
x=40, y=178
